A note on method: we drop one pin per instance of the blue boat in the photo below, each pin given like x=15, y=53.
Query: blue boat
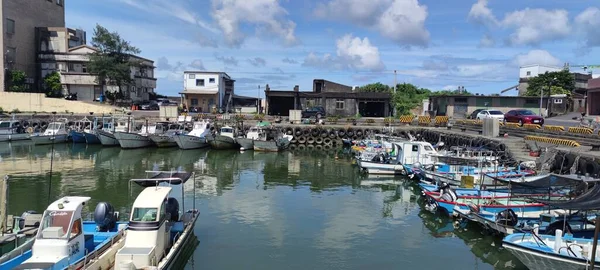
x=65, y=241
x=77, y=137
x=91, y=138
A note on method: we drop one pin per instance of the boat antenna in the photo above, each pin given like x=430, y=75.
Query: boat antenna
x=53, y=139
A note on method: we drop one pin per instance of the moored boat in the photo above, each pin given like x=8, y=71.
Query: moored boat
x=196, y=138
x=55, y=133
x=167, y=139
x=131, y=140
x=111, y=125
x=225, y=139
x=12, y=130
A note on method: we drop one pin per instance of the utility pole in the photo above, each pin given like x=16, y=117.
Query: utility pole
x=395, y=86
x=258, y=101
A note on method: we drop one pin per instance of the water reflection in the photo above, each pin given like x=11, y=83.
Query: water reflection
x=289, y=210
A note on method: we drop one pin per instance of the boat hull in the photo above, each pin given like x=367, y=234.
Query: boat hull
x=91, y=138
x=132, y=140
x=381, y=168
x=14, y=137
x=540, y=260
x=49, y=139
x=162, y=140
x=180, y=245
x=106, y=138
x=222, y=142
x=271, y=146
x=77, y=137
x=190, y=142
x=246, y=144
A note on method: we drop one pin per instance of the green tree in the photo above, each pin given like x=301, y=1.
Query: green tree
x=564, y=83
x=53, y=85
x=451, y=93
x=17, y=81
x=112, y=62
x=408, y=97
x=375, y=87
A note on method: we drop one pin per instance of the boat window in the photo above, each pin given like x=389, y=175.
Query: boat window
x=144, y=214
x=428, y=148
x=227, y=130
x=76, y=229
x=4, y=124
x=55, y=224
x=415, y=148
x=54, y=126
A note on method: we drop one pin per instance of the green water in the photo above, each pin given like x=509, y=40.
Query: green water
x=292, y=210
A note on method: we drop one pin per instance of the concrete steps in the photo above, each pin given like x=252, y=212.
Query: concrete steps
x=519, y=149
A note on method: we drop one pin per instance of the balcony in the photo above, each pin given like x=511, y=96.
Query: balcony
x=78, y=78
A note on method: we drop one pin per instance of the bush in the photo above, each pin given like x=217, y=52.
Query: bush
x=332, y=119
x=16, y=111
x=17, y=81
x=259, y=117
x=388, y=120
x=370, y=121
x=1, y=110
x=349, y=119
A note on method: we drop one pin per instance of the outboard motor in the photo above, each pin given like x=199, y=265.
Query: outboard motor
x=23, y=216
x=446, y=193
x=172, y=209
x=105, y=217
x=507, y=217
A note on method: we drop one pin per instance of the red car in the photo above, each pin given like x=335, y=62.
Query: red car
x=523, y=117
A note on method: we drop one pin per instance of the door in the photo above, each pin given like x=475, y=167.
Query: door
x=460, y=110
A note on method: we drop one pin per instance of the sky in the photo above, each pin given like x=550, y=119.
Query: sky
x=435, y=44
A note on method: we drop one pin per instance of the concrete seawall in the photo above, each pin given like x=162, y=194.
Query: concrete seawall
x=37, y=102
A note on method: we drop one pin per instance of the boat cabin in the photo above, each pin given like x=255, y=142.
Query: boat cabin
x=200, y=129
x=60, y=237
x=254, y=133
x=412, y=152
x=55, y=128
x=11, y=127
x=227, y=131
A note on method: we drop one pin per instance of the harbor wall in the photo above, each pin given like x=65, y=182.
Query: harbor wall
x=38, y=102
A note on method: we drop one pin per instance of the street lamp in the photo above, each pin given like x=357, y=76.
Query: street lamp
x=542, y=94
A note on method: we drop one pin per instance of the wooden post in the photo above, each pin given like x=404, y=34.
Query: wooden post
x=595, y=243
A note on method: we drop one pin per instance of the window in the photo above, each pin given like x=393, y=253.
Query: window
x=528, y=73
x=200, y=82
x=339, y=104
x=84, y=68
x=192, y=76
x=194, y=101
x=496, y=113
x=415, y=148
x=460, y=100
x=11, y=54
x=144, y=214
x=10, y=26
x=70, y=67
x=211, y=101
x=211, y=80
x=428, y=148
x=55, y=224
x=76, y=229
x=59, y=2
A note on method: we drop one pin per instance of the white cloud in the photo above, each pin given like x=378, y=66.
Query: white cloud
x=533, y=26
x=535, y=57
x=450, y=87
x=197, y=65
x=228, y=61
x=402, y=21
x=487, y=42
x=482, y=14
x=266, y=15
x=352, y=53
x=588, y=23
x=257, y=62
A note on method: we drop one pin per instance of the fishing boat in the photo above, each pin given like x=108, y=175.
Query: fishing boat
x=64, y=241
x=77, y=132
x=56, y=132
x=246, y=141
x=157, y=233
x=196, y=138
x=225, y=139
x=91, y=136
x=110, y=126
x=408, y=152
x=130, y=140
x=167, y=138
x=12, y=130
x=273, y=145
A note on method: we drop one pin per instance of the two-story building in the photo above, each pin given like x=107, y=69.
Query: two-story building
x=204, y=91
x=65, y=51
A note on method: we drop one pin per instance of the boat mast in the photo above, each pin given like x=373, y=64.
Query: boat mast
x=53, y=139
x=3, y=203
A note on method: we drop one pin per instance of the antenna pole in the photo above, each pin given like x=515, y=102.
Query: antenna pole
x=53, y=138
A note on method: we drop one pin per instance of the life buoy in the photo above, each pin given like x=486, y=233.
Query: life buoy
x=29, y=130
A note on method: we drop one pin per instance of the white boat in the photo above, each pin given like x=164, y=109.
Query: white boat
x=224, y=140
x=110, y=126
x=246, y=142
x=407, y=152
x=157, y=233
x=12, y=130
x=56, y=132
x=167, y=138
x=196, y=138
x=64, y=240
x=130, y=140
x=541, y=252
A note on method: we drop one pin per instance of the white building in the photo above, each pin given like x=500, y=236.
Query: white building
x=204, y=91
x=57, y=52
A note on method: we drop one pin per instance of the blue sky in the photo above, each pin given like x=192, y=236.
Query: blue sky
x=431, y=43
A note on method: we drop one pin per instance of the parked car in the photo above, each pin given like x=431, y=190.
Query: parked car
x=490, y=114
x=313, y=112
x=149, y=106
x=473, y=115
x=523, y=117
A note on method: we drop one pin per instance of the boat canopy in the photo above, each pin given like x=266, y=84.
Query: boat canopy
x=158, y=177
x=547, y=183
x=586, y=201
x=460, y=161
x=263, y=124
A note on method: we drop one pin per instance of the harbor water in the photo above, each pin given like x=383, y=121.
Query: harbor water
x=291, y=210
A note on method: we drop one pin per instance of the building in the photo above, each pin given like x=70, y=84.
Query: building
x=336, y=99
x=593, y=97
x=65, y=51
x=458, y=106
x=531, y=71
x=205, y=91
x=19, y=20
